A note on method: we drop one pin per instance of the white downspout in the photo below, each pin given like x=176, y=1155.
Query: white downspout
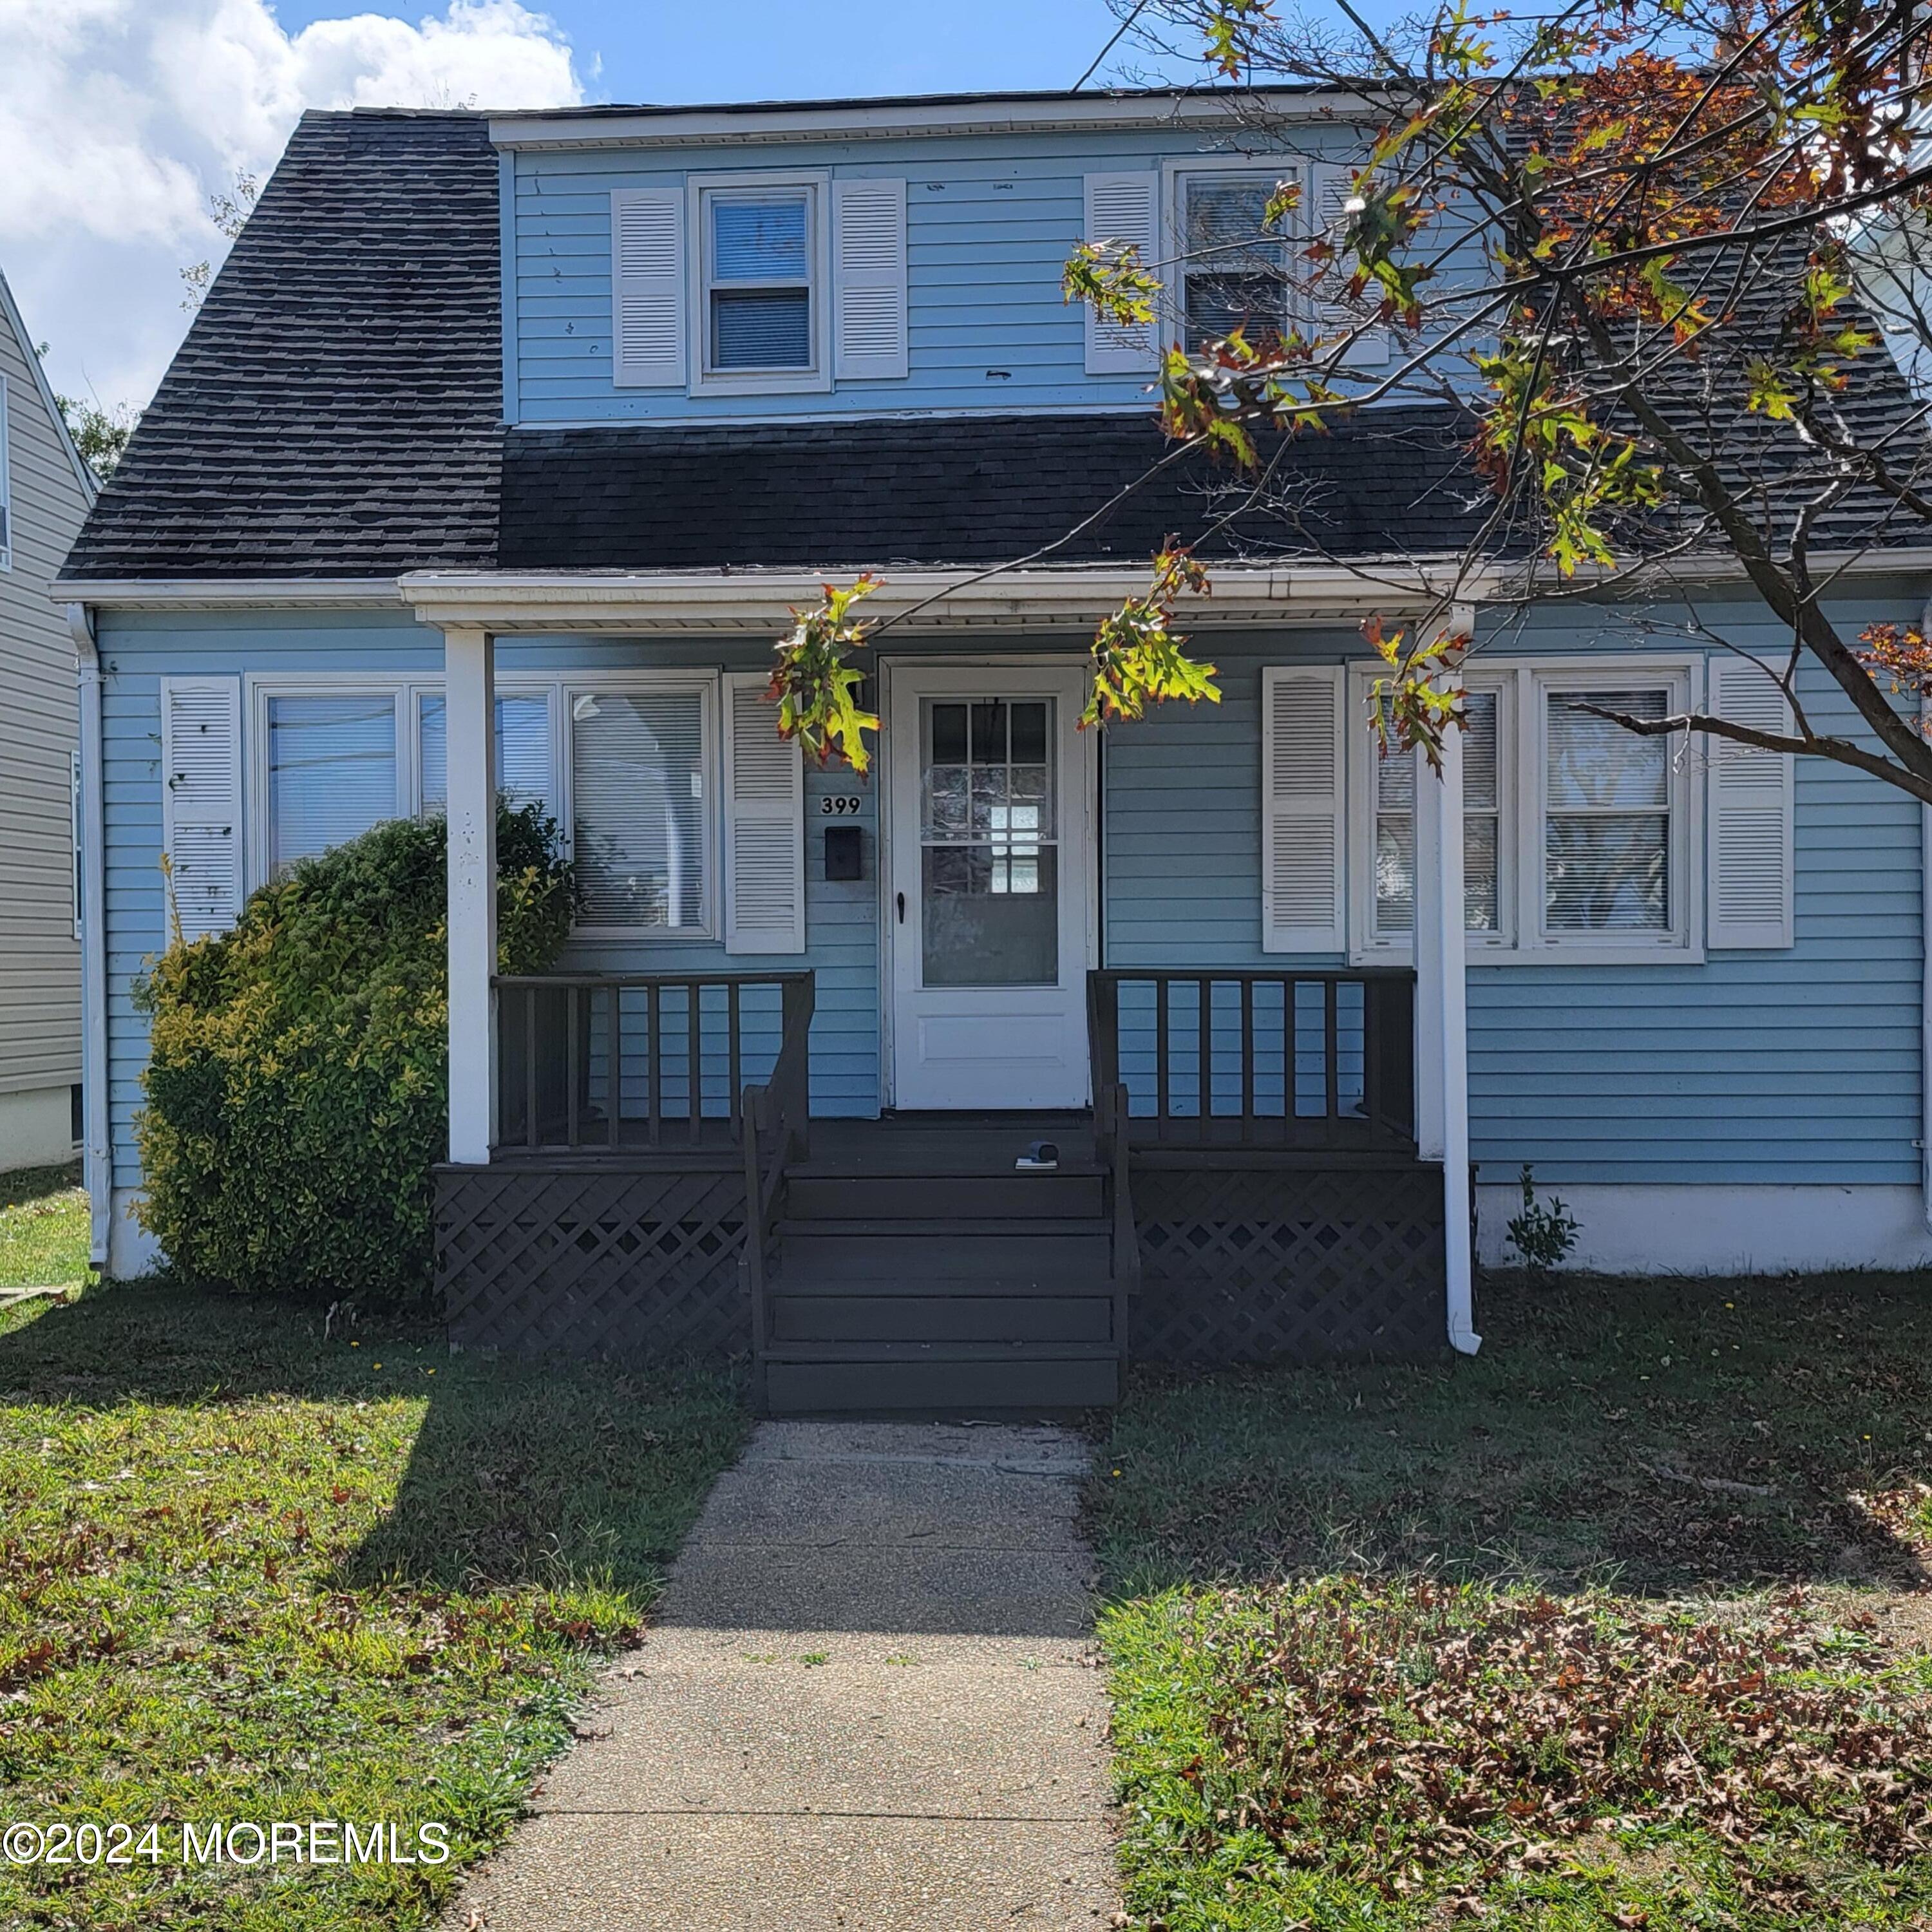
x=97, y=1151
x=1453, y=946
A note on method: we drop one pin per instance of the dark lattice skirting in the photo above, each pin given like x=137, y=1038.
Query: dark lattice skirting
x=1275, y=1264
x=593, y=1259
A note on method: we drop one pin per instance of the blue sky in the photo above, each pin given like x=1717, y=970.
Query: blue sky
x=672, y=50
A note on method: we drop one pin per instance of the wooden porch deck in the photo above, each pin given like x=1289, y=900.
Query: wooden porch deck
x=1261, y=1200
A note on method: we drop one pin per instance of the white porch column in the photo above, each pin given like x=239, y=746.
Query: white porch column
x=469, y=690
x=1442, y=1021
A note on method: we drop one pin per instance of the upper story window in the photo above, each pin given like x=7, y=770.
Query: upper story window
x=759, y=248
x=1234, y=270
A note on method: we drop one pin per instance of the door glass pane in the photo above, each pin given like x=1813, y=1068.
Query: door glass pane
x=331, y=771
x=637, y=781
x=989, y=871
x=991, y=917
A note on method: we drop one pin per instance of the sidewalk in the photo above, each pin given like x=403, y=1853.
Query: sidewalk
x=869, y=1700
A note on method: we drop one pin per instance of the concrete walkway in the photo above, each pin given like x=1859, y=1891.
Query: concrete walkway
x=869, y=1700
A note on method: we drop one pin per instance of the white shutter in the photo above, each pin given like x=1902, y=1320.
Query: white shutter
x=647, y=297
x=1748, y=809
x=869, y=278
x=764, y=823
x=201, y=800
x=1120, y=207
x=1302, y=810
x=1326, y=217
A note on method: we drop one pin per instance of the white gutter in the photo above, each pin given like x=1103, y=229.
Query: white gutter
x=222, y=593
x=97, y=1153
x=1024, y=599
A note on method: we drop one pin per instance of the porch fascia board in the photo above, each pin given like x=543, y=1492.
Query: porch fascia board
x=508, y=604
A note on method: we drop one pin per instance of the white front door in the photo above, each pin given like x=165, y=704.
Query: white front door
x=988, y=900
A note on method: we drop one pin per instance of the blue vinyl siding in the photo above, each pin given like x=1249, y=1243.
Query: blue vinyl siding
x=988, y=234
x=1793, y=1067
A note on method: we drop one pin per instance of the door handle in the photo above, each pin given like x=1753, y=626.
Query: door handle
x=901, y=900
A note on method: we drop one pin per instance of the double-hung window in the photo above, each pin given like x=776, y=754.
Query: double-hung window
x=641, y=807
x=1233, y=243
x=331, y=769
x=1613, y=849
x=1487, y=842
x=761, y=283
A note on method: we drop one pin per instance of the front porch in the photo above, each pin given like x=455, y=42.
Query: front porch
x=1247, y=1188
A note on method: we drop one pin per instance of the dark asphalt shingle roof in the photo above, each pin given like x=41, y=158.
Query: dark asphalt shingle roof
x=964, y=489
x=337, y=408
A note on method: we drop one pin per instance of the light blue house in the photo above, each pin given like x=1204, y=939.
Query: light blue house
x=497, y=457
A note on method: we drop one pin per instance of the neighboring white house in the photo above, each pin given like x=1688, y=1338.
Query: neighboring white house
x=45, y=493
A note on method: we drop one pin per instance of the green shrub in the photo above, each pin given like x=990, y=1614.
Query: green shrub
x=298, y=1064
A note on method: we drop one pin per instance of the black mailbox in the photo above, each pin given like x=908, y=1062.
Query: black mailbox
x=845, y=852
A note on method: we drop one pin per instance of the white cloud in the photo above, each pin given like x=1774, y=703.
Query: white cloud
x=119, y=118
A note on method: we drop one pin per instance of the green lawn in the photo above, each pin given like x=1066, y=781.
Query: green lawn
x=43, y=1228
x=251, y=1571
x=1623, y=1624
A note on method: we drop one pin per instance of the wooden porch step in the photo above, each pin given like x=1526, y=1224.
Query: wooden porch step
x=1047, y=1252
x=1023, y=1314
x=950, y=1378
x=848, y=1197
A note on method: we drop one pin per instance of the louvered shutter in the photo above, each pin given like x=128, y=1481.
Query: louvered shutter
x=1121, y=208
x=647, y=293
x=1748, y=807
x=201, y=800
x=1328, y=217
x=869, y=278
x=764, y=824
x=1302, y=810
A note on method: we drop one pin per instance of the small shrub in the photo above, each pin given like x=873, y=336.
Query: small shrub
x=298, y=1064
x=1543, y=1236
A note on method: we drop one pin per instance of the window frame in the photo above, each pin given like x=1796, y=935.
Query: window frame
x=1366, y=946
x=406, y=690
x=1683, y=943
x=1174, y=176
x=699, y=189
x=572, y=685
x=1523, y=773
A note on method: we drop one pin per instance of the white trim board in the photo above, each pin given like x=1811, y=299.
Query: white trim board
x=1720, y=1230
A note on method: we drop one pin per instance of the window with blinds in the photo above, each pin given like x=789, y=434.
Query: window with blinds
x=331, y=771
x=1482, y=827
x=1234, y=269
x=523, y=761
x=758, y=251
x=1607, y=807
x=640, y=789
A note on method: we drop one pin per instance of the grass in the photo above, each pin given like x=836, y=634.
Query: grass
x=44, y=1231
x=1622, y=1623
x=249, y=1569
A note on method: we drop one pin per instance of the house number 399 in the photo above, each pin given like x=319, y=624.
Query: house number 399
x=838, y=806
